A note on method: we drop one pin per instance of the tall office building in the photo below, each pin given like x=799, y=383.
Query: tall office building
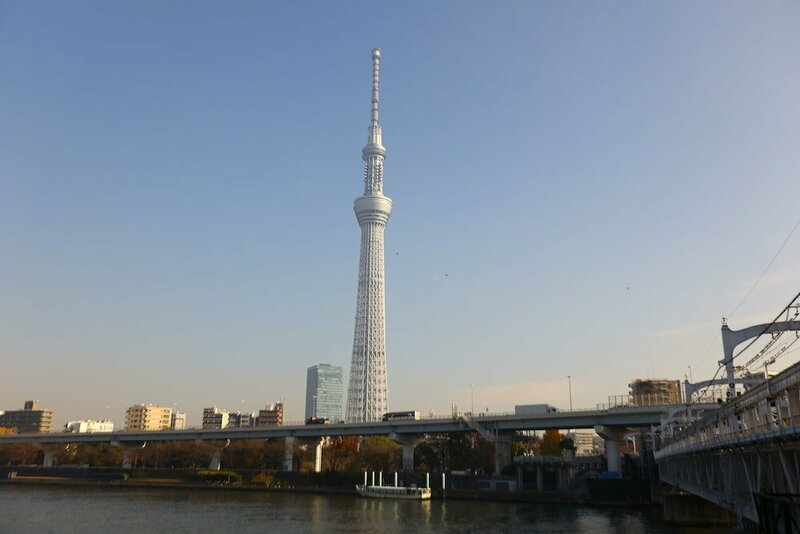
x=324, y=392
x=367, y=397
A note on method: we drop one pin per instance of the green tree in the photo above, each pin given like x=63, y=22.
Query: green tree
x=550, y=444
x=377, y=454
x=340, y=452
x=20, y=454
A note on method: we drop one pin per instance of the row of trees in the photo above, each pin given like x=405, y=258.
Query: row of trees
x=344, y=453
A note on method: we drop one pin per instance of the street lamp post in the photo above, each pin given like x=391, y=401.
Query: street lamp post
x=569, y=381
x=472, y=399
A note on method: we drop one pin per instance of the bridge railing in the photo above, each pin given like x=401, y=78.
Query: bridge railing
x=767, y=410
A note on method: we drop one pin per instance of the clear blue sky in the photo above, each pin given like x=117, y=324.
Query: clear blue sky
x=579, y=189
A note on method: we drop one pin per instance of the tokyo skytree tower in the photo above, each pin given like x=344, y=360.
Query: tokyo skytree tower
x=367, y=395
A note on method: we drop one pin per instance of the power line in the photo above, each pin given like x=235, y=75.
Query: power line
x=775, y=257
x=758, y=280
x=767, y=327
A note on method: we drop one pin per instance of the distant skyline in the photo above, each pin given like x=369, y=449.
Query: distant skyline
x=580, y=189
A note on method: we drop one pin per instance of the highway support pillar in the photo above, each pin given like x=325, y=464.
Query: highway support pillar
x=793, y=398
x=49, y=457
x=288, y=449
x=409, y=442
x=502, y=451
x=216, y=458
x=127, y=451
x=318, y=456
x=612, y=436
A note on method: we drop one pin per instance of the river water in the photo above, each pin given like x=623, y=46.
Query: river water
x=68, y=509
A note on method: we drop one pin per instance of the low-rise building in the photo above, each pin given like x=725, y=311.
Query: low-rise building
x=215, y=418
x=30, y=419
x=584, y=442
x=178, y=421
x=271, y=415
x=241, y=420
x=89, y=426
x=148, y=417
x=655, y=392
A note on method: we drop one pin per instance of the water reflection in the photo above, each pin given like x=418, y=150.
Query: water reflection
x=79, y=509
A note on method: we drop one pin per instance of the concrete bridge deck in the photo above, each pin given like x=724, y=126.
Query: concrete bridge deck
x=622, y=417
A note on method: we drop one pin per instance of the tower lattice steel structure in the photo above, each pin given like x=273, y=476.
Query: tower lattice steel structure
x=367, y=393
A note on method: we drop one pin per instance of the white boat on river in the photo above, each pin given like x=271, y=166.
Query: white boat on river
x=394, y=492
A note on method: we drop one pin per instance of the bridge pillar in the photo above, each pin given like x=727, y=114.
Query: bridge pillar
x=49, y=458
x=682, y=508
x=127, y=449
x=288, y=448
x=793, y=395
x=502, y=452
x=216, y=459
x=318, y=456
x=612, y=437
x=409, y=442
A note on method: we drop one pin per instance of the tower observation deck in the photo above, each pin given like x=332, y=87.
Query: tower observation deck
x=367, y=397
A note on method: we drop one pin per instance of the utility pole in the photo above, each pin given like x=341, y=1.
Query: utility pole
x=472, y=398
x=569, y=381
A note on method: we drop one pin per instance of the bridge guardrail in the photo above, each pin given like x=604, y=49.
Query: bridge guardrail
x=771, y=409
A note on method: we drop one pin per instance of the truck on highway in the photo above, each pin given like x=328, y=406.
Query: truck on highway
x=534, y=409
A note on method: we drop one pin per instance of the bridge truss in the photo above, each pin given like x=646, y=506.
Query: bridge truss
x=745, y=457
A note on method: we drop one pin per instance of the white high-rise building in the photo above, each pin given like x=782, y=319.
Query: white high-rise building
x=367, y=398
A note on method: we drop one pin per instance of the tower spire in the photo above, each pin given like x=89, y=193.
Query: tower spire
x=376, y=87
x=367, y=397
x=373, y=153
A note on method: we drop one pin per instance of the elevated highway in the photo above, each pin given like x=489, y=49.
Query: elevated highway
x=498, y=428
x=623, y=417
